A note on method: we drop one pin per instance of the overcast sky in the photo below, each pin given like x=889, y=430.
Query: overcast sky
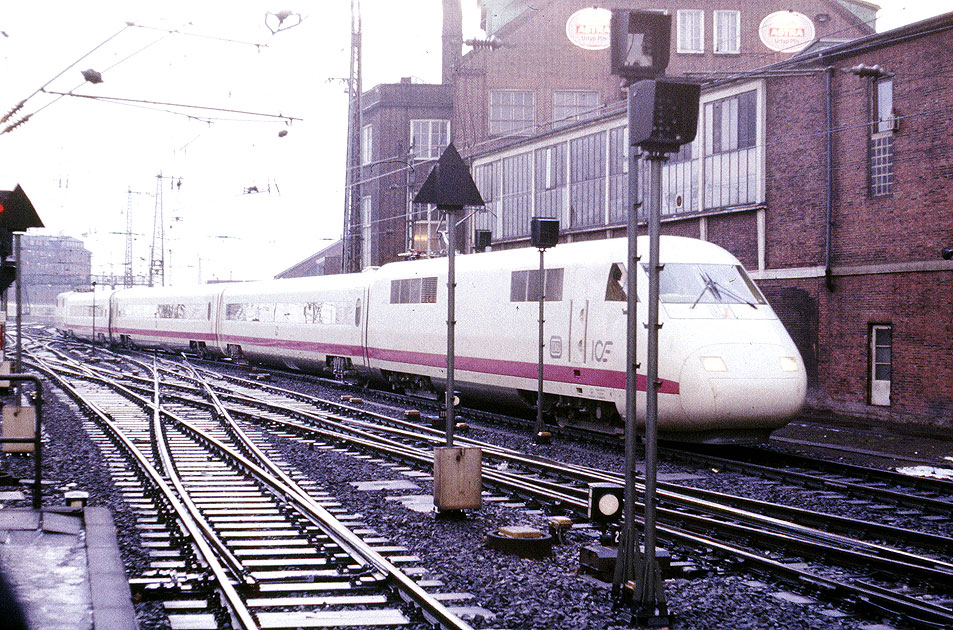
x=78, y=158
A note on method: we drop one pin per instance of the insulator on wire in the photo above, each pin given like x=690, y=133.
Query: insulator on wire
x=13, y=111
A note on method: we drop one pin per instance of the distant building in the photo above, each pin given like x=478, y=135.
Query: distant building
x=50, y=265
x=325, y=262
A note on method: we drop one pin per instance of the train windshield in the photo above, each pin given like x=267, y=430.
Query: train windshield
x=690, y=283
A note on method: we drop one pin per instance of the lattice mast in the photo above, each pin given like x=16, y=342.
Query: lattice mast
x=351, y=258
x=157, y=258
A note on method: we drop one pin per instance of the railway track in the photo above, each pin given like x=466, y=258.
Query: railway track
x=828, y=554
x=237, y=539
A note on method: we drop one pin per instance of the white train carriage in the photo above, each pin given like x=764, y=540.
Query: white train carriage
x=301, y=323
x=84, y=314
x=728, y=369
x=172, y=319
x=727, y=366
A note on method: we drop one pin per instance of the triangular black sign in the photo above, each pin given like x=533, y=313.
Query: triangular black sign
x=449, y=183
x=16, y=212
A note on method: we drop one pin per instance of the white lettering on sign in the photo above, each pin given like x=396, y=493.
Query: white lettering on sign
x=786, y=31
x=589, y=28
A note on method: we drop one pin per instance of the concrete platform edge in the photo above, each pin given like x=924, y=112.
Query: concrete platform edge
x=108, y=586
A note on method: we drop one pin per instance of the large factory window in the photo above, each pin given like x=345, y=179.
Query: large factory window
x=487, y=180
x=731, y=152
x=570, y=105
x=551, y=180
x=414, y=291
x=727, y=32
x=691, y=31
x=524, y=285
x=512, y=112
x=429, y=138
x=587, y=183
x=618, y=174
x=516, y=199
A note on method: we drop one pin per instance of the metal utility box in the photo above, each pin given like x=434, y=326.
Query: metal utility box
x=18, y=422
x=6, y=368
x=457, y=478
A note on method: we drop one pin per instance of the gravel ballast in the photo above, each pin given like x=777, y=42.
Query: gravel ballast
x=533, y=594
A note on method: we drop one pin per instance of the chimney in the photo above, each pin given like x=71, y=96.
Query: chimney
x=452, y=38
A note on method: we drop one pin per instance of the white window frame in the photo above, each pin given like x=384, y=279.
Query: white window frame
x=694, y=42
x=575, y=110
x=880, y=388
x=366, y=232
x=367, y=144
x=432, y=132
x=718, y=41
x=511, y=126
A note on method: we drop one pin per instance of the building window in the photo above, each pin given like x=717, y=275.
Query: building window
x=487, y=182
x=691, y=31
x=551, y=181
x=366, y=231
x=881, y=364
x=512, y=112
x=731, y=151
x=587, y=181
x=524, y=285
x=367, y=144
x=516, y=201
x=570, y=105
x=727, y=32
x=881, y=139
x=429, y=138
x=618, y=174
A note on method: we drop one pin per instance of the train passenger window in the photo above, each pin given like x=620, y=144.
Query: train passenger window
x=414, y=291
x=615, y=286
x=524, y=285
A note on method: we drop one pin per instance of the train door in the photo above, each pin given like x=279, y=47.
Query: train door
x=361, y=319
x=578, y=333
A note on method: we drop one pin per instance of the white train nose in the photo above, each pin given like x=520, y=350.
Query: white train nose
x=742, y=385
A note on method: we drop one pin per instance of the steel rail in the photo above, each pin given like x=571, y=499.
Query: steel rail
x=183, y=513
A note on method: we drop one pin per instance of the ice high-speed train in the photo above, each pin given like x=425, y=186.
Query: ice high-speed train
x=728, y=368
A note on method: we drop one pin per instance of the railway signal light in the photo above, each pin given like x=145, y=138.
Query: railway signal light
x=605, y=502
x=663, y=114
x=639, y=43
x=544, y=232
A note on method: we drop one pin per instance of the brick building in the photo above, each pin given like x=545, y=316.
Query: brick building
x=828, y=174
x=405, y=126
x=540, y=78
x=50, y=265
x=545, y=72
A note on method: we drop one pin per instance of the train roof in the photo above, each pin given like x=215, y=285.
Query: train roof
x=596, y=252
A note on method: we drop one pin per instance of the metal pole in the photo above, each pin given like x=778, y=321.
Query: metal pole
x=94, y=312
x=19, y=280
x=626, y=557
x=451, y=307
x=652, y=596
x=540, y=424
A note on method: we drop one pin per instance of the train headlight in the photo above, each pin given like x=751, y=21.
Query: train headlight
x=714, y=364
x=789, y=364
x=605, y=502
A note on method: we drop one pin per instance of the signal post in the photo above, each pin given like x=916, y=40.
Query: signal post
x=662, y=115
